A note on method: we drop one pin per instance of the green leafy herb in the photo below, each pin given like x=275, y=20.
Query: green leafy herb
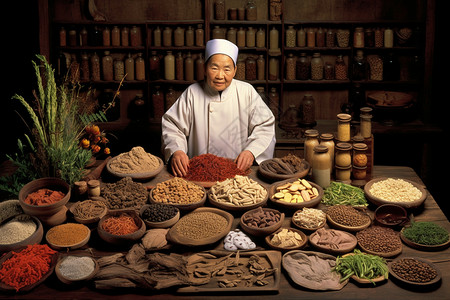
x=426, y=233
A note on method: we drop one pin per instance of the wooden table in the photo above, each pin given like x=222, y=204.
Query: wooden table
x=52, y=288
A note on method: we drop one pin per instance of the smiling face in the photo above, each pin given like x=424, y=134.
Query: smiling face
x=220, y=71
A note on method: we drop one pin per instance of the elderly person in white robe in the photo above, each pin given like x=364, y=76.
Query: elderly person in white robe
x=220, y=115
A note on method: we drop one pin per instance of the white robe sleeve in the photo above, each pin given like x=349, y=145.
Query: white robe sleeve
x=175, y=126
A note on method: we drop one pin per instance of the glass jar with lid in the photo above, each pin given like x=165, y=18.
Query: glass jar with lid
x=188, y=67
x=129, y=67
x=250, y=68
x=301, y=37
x=261, y=67
x=290, y=36
x=330, y=38
x=308, y=111
x=154, y=66
x=303, y=67
x=115, y=36
x=358, y=37
x=343, y=128
x=199, y=36
x=240, y=37
x=169, y=66
x=321, y=166
x=327, y=139
x=251, y=10
x=139, y=66
x=290, y=67
x=95, y=67
x=343, y=38
x=240, y=68
x=311, y=140
x=260, y=38
x=366, y=125
x=320, y=37
x=340, y=68
x=359, y=158
x=343, y=155
x=250, y=37
x=119, y=69
x=125, y=36
x=232, y=35
x=328, y=71
x=369, y=37
x=343, y=174
x=107, y=67
x=84, y=67
x=200, y=67
x=178, y=36
x=316, y=67
x=273, y=68
x=359, y=66
x=219, y=9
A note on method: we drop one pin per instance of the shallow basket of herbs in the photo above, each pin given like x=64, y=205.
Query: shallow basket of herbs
x=362, y=267
x=427, y=236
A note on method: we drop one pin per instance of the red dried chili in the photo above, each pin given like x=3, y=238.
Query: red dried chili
x=209, y=167
x=27, y=266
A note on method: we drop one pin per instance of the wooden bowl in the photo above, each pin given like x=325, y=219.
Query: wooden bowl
x=68, y=280
x=71, y=246
x=389, y=98
x=390, y=215
x=423, y=247
x=52, y=183
x=163, y=224
x=363, y=280
x=378, y=201
x=35, y=238
x=183, y=207
x=87, y=220
x=321, y=248
x=6, y=288
x=302, y=244
x=232, y=207
x=55, y=219
x=271, y=176
x=343, y=227
x=311, y=203
x=138, y=176
x=125, y=239
x=174, y=237
x=304, y=228
x=255, y=231
x=414, y=283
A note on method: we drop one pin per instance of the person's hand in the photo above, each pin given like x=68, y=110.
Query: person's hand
x=244, y=160
x=179, y=163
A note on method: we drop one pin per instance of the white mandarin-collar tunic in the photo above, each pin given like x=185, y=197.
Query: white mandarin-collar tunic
x=203, y=120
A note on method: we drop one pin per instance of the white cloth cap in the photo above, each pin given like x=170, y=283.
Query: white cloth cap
x=221, y=46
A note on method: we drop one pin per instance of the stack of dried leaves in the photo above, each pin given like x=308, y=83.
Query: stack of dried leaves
x=137, y=269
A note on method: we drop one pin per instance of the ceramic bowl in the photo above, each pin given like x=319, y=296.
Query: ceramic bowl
x=272, y=176
x=55, y=219
x=183, y=207
x=232, y=207
x=35, y=238
x=363, y=280
x=301, y=245
x=410, y=283
x=138, y=176
x=350, y=244
x=125, y=239
x=260, y=231
x=6, y=288
x=408, y=205
x=163, y=224
x=304, y=228
x=287, y=205
x=67, y=280
x=390, y=215
x=71, y=246
x=174, y=236
x=89, y=220
x=51, y=183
